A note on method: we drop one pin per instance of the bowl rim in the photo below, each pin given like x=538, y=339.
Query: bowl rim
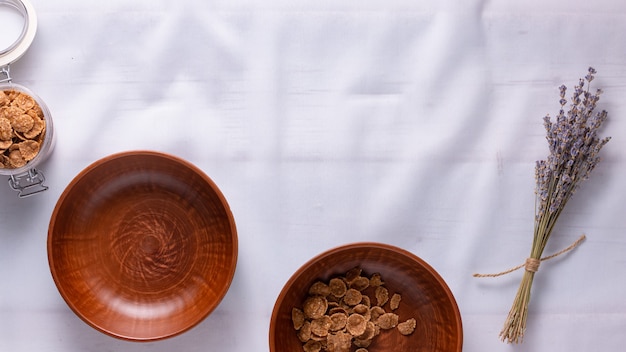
x=234, y=237
x=376, y=245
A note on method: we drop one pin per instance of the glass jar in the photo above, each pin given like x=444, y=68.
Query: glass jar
x=22, y=148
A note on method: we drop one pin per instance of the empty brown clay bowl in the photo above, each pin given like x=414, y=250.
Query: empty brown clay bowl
x=142, y=245
x=425, y=297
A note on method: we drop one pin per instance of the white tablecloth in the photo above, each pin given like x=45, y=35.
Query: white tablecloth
x=413, y=123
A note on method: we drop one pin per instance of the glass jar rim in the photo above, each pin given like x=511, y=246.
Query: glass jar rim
x=18, y=48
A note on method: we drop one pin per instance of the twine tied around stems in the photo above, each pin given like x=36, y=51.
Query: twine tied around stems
x=532, y=264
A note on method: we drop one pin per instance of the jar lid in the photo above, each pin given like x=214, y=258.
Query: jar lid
x=14, y=51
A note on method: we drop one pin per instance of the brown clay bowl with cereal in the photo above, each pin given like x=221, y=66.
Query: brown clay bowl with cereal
x=366, y=297
x=142, y=245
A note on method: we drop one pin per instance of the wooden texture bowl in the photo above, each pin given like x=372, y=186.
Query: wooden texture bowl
x=425, y=297
x=142, y=245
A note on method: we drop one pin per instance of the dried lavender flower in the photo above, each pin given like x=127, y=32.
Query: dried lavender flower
x=574, y=147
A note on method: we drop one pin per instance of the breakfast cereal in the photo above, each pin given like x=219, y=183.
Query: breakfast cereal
x=353, y=274
x=312, y=346
x=22, y=129
x=337, y=287
x=394, y=303
x=338, y=315
x=352, y=297
x=338, y=321
x=356, y=324
x=320, y=326
x=315, y=307
x=387, y=321
x=382, y=295
x=319, y=289
x=360, y=283
x=376, y=280
x=297, y=317
x=407, y=327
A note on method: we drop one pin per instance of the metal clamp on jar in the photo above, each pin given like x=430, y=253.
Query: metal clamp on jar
x=26, y=129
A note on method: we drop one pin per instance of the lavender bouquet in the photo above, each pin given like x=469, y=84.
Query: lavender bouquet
x=574, y=147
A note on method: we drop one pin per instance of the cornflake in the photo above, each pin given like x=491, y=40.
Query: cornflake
x=394, y=303
x=4, y=99
x=356, y=325
x=16, y=159
x=338, y=315
x=22, y=129
x=339, y=342
x=338, y=321
x=38, y=126
x=363, y=310
x=6, y=131
x=353, y=274
x=320, y=326
x=382, y=295
x=376, y=312
x=11, y=112
x=304, y=334
x=352, y=297
x=315, y=307
x=362, y=343
x=376, y=280
x=319, y=289
x=29, y=149
x=407, y=327
x=387, y=321
x=370, y=332
x=24, y=101
x=22, y=123
x=342, y=310
x=360, y=283
x=312, y=346
x=337, y=287
x=5, y=144
x=297, y=317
